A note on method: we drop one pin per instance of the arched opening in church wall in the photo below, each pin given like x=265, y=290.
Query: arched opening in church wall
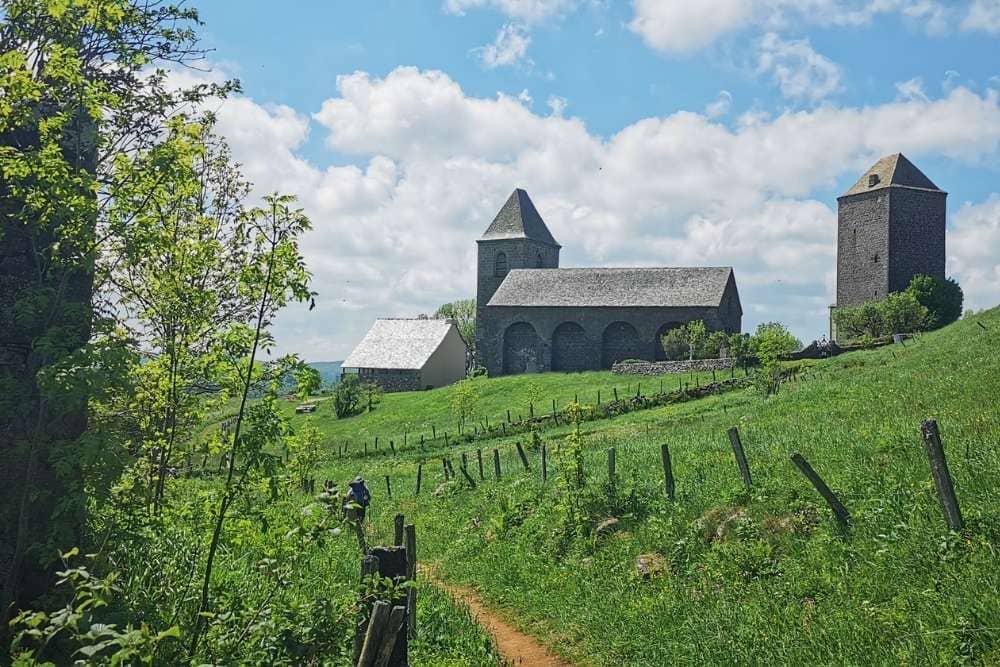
x=661, y=355
x=621, y=341
x=571, y=351
x=522, y=349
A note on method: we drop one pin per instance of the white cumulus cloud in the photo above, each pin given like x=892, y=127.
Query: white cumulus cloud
x=509, y=48
x=394, y=232
x=983, y=15
x=800, y=72
x=523, y=10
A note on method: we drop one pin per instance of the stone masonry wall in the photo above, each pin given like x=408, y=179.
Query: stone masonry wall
x=916, y=236
x=392, y=380
x=862, y=247
x=666, y=367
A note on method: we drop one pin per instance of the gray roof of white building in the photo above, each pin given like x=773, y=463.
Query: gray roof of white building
x=399, y=344
x=892, y=171
x=610, y=287
x=518, y=219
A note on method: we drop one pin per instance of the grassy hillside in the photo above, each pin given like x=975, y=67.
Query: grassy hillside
x=764, y=576
x=415, y=412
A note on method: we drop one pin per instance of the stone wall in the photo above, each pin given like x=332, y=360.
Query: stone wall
x=588, y=347
x=862, y=247
x=916, y=236
x=392, y=380
x=665, y=367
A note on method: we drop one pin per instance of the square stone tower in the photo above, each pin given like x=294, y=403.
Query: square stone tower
x=890, y=227
x=516, y=239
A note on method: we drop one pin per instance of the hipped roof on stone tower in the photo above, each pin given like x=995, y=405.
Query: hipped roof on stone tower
x=519, y=219
x=892, y=171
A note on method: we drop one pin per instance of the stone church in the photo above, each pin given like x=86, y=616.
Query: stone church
x=890, y=227
x=533, y=316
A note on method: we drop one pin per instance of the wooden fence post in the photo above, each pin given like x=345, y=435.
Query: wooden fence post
x=741, y=459
x=598, y=397
x=615, y=389
x=392, y=446
x=612, y=472
x=434, y=432
x=479, y=460
x=496, y=463
x=376, y=443
x=392, y=562
x=941, y=475
x=668, y=471
x=444, y=464
x=420, y=475
x=545, y=467
x=839, y=511
x=388, y=486
x=465, y=460
x=398, y=522
x=410, y=537
x=468, y=477
x=369, y=566
x=531, y=410
x=508, y=415
x=503, y=425
x=520, y=452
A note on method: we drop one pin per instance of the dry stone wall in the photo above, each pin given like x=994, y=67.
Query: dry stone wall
x=635, y=367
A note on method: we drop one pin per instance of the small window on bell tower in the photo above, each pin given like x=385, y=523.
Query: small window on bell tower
x=500, y=265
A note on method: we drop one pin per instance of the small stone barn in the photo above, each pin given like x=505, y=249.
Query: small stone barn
x=533, y=316
x=409, y=354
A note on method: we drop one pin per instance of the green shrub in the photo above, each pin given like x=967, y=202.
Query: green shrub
x=347, y=396
x=942, y=298
x=675, y=345
x=900, y=312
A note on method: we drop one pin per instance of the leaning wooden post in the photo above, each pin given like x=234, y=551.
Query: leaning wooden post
x=420, y=475
x=479, y=460
x=434, y=432
x=465, y=460
x=741, y=458
x=388, y=487
x=668, y=471
x=615, y=389
x=444, y=464
x=520, y=452
x=393, y=626
x=611, y=469
x=410, y=536
x=941, y=475
x=839, y=511
x=392, y=446
x=446, y=438
x=397, y=532
x=468, y=477
x=545, y=467
x=496, y=463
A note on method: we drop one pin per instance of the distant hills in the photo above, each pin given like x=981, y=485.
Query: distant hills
x=329, y=371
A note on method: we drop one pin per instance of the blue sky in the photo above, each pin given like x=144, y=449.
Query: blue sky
x=647, y=133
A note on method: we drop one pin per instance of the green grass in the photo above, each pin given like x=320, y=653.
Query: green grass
x=759, y=577
x=413, y=413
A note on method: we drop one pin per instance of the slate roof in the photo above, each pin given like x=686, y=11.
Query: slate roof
x=519, y=219
x=399, y=344
x=653, y=287
x=892, y=171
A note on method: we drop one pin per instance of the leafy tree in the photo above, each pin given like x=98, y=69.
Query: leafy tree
x=695, y=333
x=738, y=345
x=371, y=393
x=178, y=240
x=899, y=312
x=714, y=343
x=78, y=90
x=675, y=344
x=347, y=396
x=464, y=399
x=307, y=381
x=463, y=312
x=768, y=343
x=274, y=275
x=942, y=299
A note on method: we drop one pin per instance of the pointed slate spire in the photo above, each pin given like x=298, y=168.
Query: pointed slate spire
x=892, y=171
x=519, y=219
